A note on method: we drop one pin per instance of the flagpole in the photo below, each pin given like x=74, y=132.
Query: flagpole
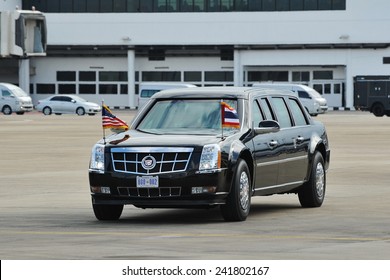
x=222, y=116
x=104, y=131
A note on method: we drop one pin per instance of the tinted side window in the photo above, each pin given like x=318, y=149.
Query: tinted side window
x=281, y=111
x=303, y=94
x=257, y=117
x=266, y=109
x=6, y=93
x=296, y=110
x=56, y=98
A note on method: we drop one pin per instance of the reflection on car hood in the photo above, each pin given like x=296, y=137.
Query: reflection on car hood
x=137, y=138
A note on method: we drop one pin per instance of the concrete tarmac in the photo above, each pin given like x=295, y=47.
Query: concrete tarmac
x=46, y=213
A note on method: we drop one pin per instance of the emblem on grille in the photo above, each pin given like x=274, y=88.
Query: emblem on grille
x=148, y=162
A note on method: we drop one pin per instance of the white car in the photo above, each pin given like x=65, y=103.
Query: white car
x=67, y=104
x=14, y=99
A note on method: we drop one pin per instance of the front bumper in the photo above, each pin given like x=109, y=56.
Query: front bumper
x=174, y=190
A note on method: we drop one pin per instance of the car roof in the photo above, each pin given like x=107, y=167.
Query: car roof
x=217, y=92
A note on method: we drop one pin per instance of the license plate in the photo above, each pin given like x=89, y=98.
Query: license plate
x=147, y=181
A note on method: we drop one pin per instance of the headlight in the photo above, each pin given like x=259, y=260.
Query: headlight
x=97, y=158
x=210, y=158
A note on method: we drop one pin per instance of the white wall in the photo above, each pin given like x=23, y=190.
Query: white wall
x=363, y=21
x=8, y=5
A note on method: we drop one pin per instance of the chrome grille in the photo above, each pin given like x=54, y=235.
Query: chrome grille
x=149, y=161
x=150, y=192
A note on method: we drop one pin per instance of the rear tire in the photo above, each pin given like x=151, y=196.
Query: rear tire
x=239, y=199
x=378, y=110
x=312, y=193
x=105, y=212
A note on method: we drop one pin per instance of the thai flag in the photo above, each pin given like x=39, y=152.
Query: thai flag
x=111, y=121
x=229, y=116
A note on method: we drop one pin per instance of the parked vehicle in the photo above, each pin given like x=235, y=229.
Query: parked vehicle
x=67, y=104
x=313, y=101
x=14, y=99
x=208, y=147
x=372, y=93
x=148, y=89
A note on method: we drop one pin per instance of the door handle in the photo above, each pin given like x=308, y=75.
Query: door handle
x=273, y=143
x=299, y=139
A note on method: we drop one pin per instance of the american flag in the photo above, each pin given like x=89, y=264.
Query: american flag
x=229, y=116
x=111, y=121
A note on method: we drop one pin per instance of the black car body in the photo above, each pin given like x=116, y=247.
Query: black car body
x=177, y=154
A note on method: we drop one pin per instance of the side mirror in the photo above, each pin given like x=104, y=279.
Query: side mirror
x=268, y=126
x=73, y=101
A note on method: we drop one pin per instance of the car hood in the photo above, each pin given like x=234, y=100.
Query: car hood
x=25, y=99
x=91, y=104
x=140, y=139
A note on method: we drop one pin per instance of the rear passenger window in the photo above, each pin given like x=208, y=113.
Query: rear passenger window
x=266, y=109
x=257, y=117
x=282, y=114
x=296, y=110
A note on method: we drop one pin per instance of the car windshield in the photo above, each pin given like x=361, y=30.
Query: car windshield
x=18, y=92
x=200, y=117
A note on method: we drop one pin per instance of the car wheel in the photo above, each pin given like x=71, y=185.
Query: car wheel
x=378, y=110
x=107, y=212
x=46, y=111
x=312, y=193
x=7, y=110
x=239, y=200
x=80, y=111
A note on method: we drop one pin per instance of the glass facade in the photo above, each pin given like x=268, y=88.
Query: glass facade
x=165, y=6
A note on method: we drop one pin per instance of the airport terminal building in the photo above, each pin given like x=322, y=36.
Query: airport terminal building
x=103, y=49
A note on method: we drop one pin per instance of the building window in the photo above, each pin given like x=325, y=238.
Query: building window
x=218, y=76
x=161, y=76
x=163, y=6
x=87, y=89
x=87, y=76
x=192, y=76
x=66, y=76
x=310, y=5
x=108, y=89
x=322, y=75
x=66, y=89
x=113, y=76
x=386, y=60
x=303, y=76
x=46, y=88
x=265, y=76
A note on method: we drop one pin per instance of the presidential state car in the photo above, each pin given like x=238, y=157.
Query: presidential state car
x=211, y=147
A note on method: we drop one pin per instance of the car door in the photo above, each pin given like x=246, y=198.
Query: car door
x=68, y=105
x=55, y=104
x=266, y=149
x=295, y=138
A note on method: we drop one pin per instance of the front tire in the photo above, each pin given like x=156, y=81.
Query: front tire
x=80, y=111
x=46, y=111
x=239, y=200
x=105, y=212
x=312, y=193
x=7, y=110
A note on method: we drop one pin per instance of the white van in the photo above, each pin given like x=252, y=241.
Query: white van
x=313, y=101
x=147, y=89
x=14, y=99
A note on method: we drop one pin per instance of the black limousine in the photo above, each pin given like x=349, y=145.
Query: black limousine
x=209, y=147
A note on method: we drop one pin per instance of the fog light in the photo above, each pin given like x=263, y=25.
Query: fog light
x=201, y=190
x=100, y=189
